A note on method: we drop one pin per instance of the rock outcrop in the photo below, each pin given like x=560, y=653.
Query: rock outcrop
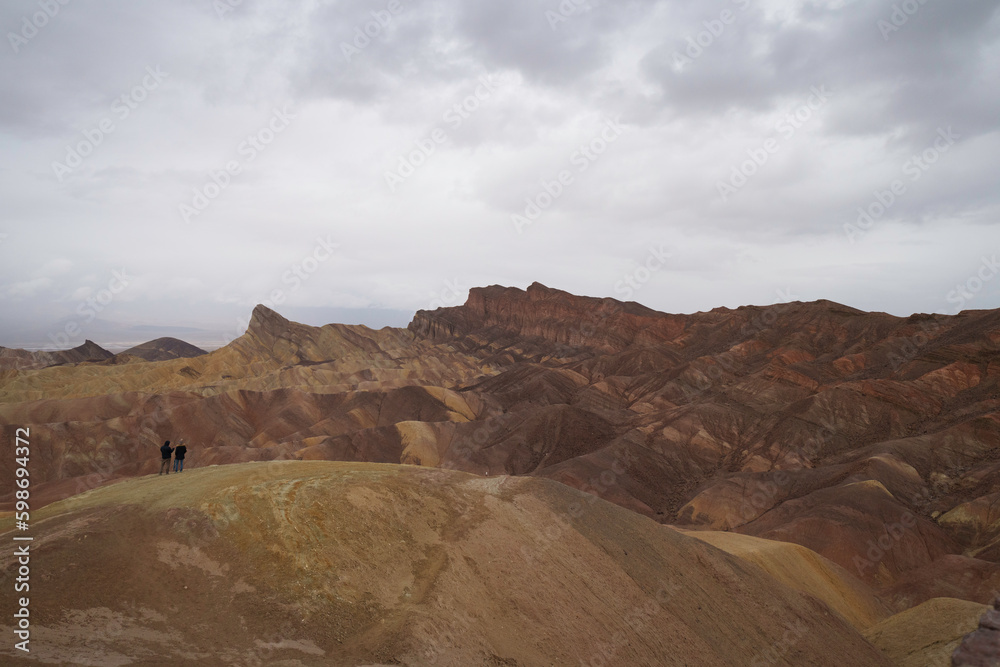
x=162, y=349
x=981, y=648
x=17, y=359
x=926, y=635
x=870, y=439
x=550, y=315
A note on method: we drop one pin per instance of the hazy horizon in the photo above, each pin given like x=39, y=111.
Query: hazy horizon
x=117, y=338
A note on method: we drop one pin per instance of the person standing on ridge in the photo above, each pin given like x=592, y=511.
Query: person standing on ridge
x=179, y=457
x=166, y=450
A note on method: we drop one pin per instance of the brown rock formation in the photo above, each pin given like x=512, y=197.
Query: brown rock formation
x=162, y=349
x=16, y=359
x=870, y=439
x=981, y=648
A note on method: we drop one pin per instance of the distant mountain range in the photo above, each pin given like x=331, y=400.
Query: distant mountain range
x=216, y=327
x=160, y=349
x=869, y=439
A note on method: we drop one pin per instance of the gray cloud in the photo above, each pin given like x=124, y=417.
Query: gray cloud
x=361, y=116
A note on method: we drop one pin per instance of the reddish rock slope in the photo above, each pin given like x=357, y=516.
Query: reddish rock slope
x=870, y=439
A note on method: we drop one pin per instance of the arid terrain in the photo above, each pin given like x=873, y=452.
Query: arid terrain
x=826, y=480
x=303, y=563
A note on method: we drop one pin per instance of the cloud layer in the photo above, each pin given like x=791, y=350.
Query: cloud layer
x=386, y=156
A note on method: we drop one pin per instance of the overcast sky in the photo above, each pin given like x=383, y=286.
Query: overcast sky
x=179, y=162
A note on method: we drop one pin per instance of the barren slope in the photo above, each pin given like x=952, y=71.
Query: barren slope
x=928, y=634
x=805, y=571
x=331, y=563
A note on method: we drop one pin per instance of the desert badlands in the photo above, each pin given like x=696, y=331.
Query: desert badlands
x=531, y=478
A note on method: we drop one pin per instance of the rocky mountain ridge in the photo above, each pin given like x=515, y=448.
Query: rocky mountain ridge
x=18, y=359
x=870, y=439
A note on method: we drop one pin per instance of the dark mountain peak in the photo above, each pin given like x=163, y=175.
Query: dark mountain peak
x=89, y=351
x=165, y=348
x=90, y=346
x=265, y=319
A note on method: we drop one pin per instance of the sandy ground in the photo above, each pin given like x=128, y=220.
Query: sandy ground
x=317, y=563
x=805, y=571
x=926, y=635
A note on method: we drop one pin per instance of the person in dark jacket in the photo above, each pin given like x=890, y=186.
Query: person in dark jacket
x=166, y=450
x=179, y=457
